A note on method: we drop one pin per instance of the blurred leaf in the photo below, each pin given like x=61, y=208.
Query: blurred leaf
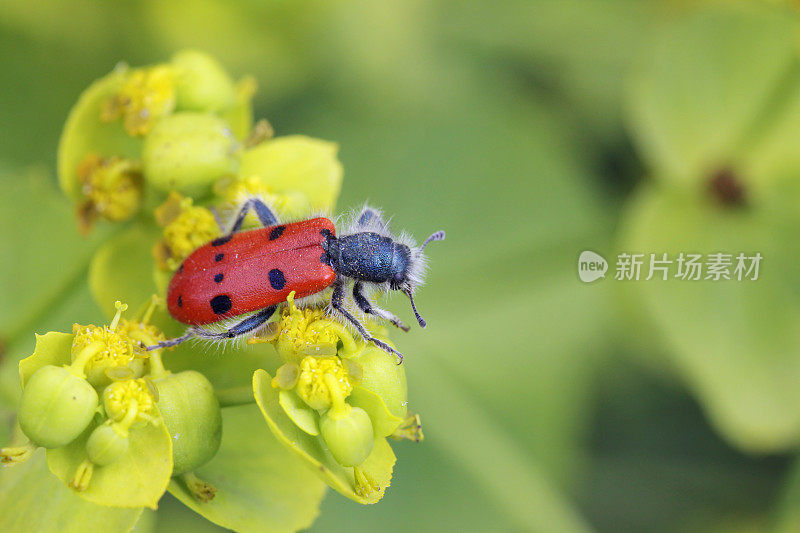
x=43, y=504
x=456, y=423
x=735, y=343
x=277, y=36
x=706, y=85
x=138, y=479
x=261, y=486
x=583, y=49
x=787, y=512
x=49, y=257
x=173, y=516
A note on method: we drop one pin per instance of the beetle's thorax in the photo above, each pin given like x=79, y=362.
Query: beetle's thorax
x=368, y=256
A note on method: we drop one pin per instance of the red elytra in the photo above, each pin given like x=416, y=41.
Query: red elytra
x=249, y=271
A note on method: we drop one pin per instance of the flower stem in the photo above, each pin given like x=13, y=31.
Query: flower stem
x=234, y=396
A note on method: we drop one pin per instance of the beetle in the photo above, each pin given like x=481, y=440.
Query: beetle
x=254, y=272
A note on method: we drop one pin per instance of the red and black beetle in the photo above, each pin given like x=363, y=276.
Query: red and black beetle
x=254, y=271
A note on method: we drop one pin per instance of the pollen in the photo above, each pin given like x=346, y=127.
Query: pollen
x=295, y=338
x=112, y=189
x=147, y=95
x=121, y=398
x=315, y=388
x=119, y=348
x=186, y=228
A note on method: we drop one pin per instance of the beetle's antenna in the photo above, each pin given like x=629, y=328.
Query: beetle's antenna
x=437, y=236
x=421, y=320
x=172, y=342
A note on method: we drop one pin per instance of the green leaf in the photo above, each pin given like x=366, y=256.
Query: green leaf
x=297, y=163
x=53, y=348
x=138, y=479
x=261, y=486
x=85, y=133
x=313, y=451
x=50, y=257
x=707, y=83
x=734, y=342
x=35, y=500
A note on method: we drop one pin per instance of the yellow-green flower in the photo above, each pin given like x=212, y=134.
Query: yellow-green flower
x=146, y=95
x=111, y=188
x=131, y=398
x=118, y=350
x=321, y=380
x=186, y=228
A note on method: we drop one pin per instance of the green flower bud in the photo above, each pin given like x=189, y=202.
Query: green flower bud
x=192, y=415
x=202, y=83
x=348, y=434
x=107, y=444
x=187, y=152
x=56, y=406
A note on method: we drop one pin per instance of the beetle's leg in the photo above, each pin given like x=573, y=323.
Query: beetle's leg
x=247, y=325
x=367, y=307
x=368, y=216
x=264, y=213
x=337, y=302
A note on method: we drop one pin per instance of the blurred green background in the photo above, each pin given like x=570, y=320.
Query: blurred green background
x=527, y=130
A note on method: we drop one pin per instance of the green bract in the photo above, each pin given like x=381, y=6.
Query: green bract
x=137, y=478
x=299, y=164
x=84, y=133
x=191, y=412
x=379, y=464
x=383, y=376
x=187, y=152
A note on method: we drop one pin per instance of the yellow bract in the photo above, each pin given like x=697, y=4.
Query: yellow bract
x=315, y=388
x=147, y=95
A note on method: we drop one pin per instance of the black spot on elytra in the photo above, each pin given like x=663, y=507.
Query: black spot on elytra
x=218, y=277
x=221, y=240
x=221, y=304
x=276, y=279
x=180, y=301
x=276, y=232
x=325, y=233
x=180, y=269
x=218, y=257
